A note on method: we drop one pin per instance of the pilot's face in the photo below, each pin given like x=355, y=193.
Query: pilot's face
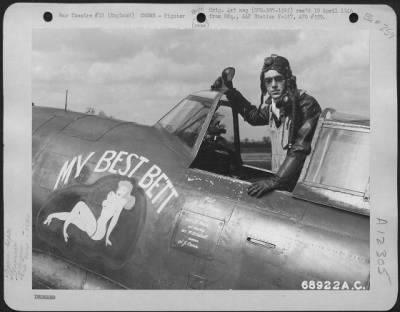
x=274, y=83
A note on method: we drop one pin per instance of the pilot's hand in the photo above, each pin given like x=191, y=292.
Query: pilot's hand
x=218, y=83
x=229, y=84
x=263, y=187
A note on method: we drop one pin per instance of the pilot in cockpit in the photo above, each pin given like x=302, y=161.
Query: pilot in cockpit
x=292, y=115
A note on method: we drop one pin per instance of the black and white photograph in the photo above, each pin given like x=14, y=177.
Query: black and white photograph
x=184, y=159
x=200, y=157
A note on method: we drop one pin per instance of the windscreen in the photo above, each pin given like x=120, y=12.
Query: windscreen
x=341, y=160
x=186, y=119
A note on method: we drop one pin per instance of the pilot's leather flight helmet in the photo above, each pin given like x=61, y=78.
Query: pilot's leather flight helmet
x=274, y=62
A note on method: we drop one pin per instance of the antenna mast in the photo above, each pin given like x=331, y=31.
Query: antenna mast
x=66, y=99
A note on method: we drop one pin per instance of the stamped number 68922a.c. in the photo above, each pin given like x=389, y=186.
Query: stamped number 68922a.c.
x=332, y=285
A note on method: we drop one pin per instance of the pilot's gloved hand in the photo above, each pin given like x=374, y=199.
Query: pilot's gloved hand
x=229, y=84
x=263, y=187
x=218, y=83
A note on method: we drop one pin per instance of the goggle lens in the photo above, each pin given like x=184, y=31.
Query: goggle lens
x=278, y=79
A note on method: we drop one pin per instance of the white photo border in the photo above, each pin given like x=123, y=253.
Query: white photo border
x=19, y=21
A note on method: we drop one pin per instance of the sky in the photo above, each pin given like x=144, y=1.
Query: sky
x=138, y=75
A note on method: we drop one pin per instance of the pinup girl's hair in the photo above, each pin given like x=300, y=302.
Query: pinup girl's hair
x=130, y=199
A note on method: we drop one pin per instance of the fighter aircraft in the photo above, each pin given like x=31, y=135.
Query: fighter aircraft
x=119, y=205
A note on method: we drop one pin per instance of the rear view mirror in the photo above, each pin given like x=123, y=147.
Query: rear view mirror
x=228, y=74
x=224, y=82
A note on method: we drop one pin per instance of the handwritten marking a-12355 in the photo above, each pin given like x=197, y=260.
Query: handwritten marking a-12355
x=158, y=187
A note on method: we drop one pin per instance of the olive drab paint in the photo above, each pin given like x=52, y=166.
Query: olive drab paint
x=213, y=235
x=158, y=187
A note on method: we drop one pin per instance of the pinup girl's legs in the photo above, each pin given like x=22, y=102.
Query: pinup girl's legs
x=80, y=215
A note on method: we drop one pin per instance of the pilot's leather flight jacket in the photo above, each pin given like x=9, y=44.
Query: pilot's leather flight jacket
x=308, y=112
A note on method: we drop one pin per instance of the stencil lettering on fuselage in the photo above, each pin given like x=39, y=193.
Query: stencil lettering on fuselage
x=158, y=187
